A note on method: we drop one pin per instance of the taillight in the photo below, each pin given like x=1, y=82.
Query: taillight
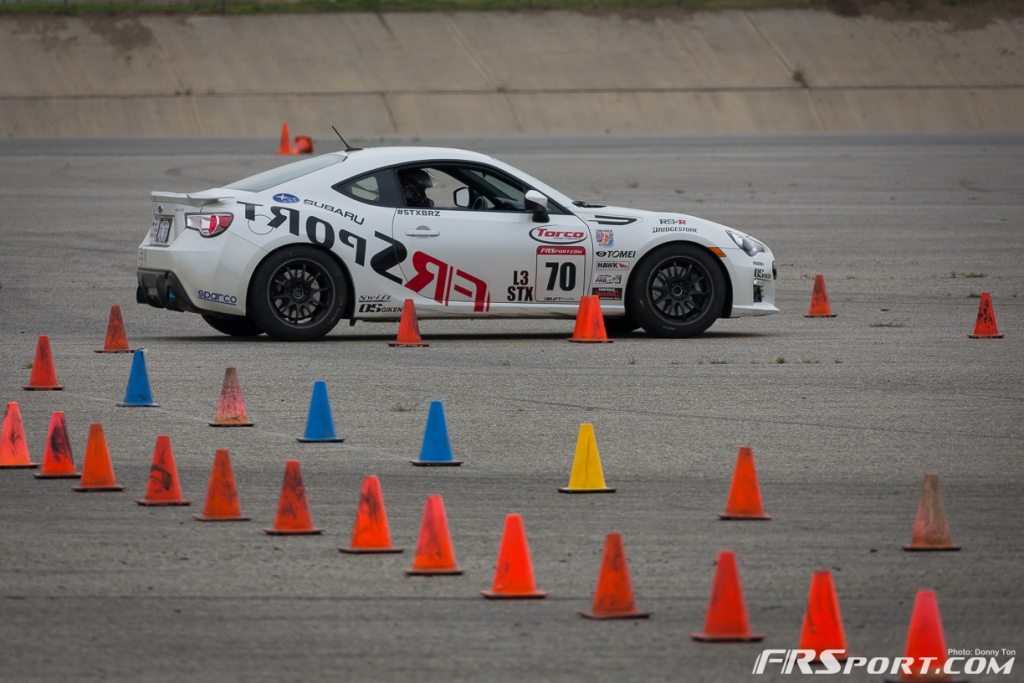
x=209, y=224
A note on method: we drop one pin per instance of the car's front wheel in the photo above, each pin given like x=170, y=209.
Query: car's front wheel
x=298, y=294
x=677, y=291
x=233, y=325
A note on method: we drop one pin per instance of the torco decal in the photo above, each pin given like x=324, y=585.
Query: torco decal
x=216, y=297
x=615, y=254
x=549, y=235
x=613, y=220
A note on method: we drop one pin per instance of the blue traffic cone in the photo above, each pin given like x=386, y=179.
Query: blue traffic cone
x=138, y=394
x=319, y=423
x=436, y=450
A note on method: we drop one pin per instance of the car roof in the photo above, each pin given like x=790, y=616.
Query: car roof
x=376, y=157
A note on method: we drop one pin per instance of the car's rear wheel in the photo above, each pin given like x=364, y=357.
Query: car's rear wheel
x=298, y=294
x=234, y=325
x=677, y=291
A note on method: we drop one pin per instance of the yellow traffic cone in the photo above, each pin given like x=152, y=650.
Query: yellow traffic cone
x=587, y=475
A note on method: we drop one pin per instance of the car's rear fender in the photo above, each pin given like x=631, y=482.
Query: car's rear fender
x=349, y=304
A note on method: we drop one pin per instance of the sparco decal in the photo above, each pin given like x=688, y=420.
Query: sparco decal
x=612, y=220
x=218, y=298
x=344, y=214
x=615, y=254
x=555, y=235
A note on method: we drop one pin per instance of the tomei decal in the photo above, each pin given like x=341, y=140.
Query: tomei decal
x=613, y=220
x=612, y=293
x=285, y=198
x=520, y=289
x=604, y=238
x=217, y=297
x=606, y=279
x=550, y=235
x=615, y=254
x=344, y=214
x=430, y=269
x=560, y=273
x=612, y=265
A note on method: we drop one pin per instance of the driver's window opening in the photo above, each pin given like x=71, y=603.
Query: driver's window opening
x=458, y=187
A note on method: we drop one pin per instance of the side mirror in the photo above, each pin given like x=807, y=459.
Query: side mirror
x=461, y=197
x=538, y=204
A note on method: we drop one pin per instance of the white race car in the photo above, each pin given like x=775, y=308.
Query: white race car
x=352, y=234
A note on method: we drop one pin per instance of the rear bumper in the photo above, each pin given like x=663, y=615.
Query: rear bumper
x=162, y=289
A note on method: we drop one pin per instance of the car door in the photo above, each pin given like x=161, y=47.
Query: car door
x=474, y=246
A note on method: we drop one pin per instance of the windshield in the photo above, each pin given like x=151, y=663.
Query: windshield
x=282, y=174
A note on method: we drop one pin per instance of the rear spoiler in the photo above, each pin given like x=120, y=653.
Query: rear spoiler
x=197, y=199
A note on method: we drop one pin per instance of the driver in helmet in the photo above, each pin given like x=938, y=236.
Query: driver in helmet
x=415, y=182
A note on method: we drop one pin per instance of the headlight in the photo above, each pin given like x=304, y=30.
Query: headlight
x=748, y=244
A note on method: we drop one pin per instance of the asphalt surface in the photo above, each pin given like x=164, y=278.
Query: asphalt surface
x=845, y=416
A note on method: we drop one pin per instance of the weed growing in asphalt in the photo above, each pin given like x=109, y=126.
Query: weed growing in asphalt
x=974, y=295
x=781, y=360
x=886, y=325
x=401, y=408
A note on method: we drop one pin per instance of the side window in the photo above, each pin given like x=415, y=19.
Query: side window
x=378, y=188
x=452, y=186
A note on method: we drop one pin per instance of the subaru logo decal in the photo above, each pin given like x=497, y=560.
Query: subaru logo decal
x=285, y=198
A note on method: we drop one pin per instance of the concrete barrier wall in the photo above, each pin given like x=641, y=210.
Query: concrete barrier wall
x=503, y=73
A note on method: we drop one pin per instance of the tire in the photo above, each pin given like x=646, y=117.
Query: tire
x=233, y=325
x=298, y=294
x=677, y=291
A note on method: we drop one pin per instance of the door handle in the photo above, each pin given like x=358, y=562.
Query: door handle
x=422, y=231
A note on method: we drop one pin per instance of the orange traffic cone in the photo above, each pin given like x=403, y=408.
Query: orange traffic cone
x=590, y=323
x=13, y=446
x=820, y=307
x=823, y=624
x=97, y=470
x=163, y=487
x=513, y=575
x=985, y=326
x=726, y=619
x=613, y=597
x=231, y=407
x=931, y=529
x=744, y=495
x=44, y=374
x=292, y=511
x=303, y=145
x=286, y=140
x=926, y=643
x=408, y=327
x=57, y=460
x=370, y=533
x=117, y=340
x=222, y=495
x=434, y=553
